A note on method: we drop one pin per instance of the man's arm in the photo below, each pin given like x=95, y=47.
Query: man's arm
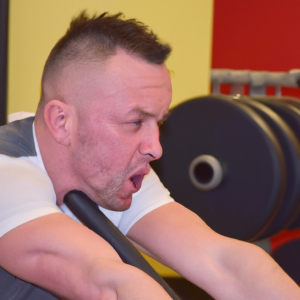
x=224, y=267
x=67, y=259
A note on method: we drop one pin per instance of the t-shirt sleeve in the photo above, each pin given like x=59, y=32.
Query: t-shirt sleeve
x=26, y=193
x=151, y=196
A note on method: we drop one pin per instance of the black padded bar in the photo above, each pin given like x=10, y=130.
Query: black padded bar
x=3, y=59
x=89, y=214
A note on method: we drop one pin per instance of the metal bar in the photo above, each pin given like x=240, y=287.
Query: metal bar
x=257, y=90
x=3, y=59
x=216, y=88
x=278, y=90
x=256, y=78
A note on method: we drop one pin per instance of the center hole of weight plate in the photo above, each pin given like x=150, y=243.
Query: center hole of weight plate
x=203, y=172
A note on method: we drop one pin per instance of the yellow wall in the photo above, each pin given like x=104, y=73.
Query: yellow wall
x=35, y=25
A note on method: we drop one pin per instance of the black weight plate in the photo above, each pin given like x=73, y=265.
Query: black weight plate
x=243, y=204
x=295, y=105
x=288, y=258
x=280, y=118
x=292, y=101
x=288, y=109
x=296, y=224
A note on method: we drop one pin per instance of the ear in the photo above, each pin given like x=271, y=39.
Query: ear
x=58, y=118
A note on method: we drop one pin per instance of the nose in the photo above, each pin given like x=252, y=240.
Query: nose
x=150, y=145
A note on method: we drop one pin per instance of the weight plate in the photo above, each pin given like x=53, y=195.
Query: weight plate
x=253, y=172
x=295, y=105
x=279, y=117
x=292, y=101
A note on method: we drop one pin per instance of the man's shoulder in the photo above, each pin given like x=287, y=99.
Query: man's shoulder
x=16, y=139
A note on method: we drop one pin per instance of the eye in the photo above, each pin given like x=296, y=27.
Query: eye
x=137, y=123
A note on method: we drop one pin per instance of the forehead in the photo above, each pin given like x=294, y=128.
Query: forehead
x=129, y=71
x=124, y=82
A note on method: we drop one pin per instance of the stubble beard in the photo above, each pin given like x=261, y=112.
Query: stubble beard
x=107, y=196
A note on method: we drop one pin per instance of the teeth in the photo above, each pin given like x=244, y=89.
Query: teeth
x=134, y=184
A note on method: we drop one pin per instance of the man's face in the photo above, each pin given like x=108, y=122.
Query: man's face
x=117, y=133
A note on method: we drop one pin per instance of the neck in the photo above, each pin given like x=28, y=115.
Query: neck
x=56, y=161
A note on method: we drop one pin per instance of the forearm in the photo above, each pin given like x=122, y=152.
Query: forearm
x=225, y=268
x=247, y=272
x=124, y=282
x=237, y=270
x=110, y=280
x=229, y=269
x=72, y=262
x=96, y=279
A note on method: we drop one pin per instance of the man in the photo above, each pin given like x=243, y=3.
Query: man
x=105, y=89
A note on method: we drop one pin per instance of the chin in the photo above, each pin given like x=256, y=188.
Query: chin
x=120, y=203
x=124, y=203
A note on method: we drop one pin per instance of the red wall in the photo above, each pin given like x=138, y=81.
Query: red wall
x=257, y=35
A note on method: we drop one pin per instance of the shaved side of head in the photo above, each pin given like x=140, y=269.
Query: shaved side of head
x=88, y=43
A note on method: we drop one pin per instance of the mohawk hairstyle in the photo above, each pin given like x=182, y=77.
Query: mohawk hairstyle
x=91, y=38
x=114, y=32
x=97, y=38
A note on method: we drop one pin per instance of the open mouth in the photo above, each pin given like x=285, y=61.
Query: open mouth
x=136, y=180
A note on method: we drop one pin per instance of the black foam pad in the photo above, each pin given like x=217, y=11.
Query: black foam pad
x=89, y=214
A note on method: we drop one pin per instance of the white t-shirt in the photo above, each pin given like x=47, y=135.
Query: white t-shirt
x=27, y=191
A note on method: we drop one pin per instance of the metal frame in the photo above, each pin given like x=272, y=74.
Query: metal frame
x=257, y=80
x=3, y=59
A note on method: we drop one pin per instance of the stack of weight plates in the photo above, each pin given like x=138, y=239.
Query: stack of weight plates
x=235, y=161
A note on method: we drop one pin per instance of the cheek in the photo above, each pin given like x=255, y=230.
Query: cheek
x=106, y=155
x=107, y=149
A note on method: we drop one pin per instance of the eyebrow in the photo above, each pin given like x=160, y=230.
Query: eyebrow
x=141, y=112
